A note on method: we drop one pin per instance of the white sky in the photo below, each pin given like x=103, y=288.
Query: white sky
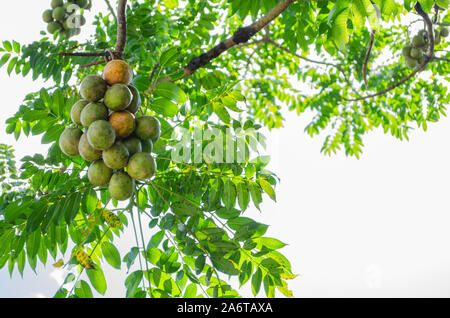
x=373, y=227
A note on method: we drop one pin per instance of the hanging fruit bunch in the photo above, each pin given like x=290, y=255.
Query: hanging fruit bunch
x=63, y=17
x=414, y=52
x=109, y=134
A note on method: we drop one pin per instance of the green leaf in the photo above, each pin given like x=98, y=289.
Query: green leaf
x=156, y=240
x=169, y=56
x=132, y=283
x=191, y=291
x=172, y=92
x=82, y=290
x=256, y=281
x=33, y=243
x=229, y=194
x=427, y=5
x=111, y=254
x=4, y=59
x=7, y=45
x=130, y=257
x=267, y=187
x=269, y=286
x=200, y=264
x=185, y=209
x=268, y=242
x=243, y=195
x=164, y=107
x=97, y=279
x=16, y=46
x=224, y=265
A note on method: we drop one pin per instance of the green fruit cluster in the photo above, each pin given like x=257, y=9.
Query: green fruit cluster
x=63, y=17
x=108, y=133
x=414, y=51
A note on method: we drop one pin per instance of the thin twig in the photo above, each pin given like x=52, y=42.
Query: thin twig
x=111, y=10
x=366, y=59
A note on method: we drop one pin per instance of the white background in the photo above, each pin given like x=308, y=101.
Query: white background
x=373, y=227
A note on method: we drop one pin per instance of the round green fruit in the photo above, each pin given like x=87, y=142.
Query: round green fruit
x=52, y=27
x=93, y=88
x=116, y=157
x=87, y=152
x=47, y=16
x=148, y=127
x=406, y=51
x=101, y=135
x=415, y=53
x=93, y=112
x=410, y=62
x=57, y=3
x=58, y=13
x=444, y=32
x=75, y=112
x=418, y=41
x=147, y=145
x=121, y=186
x=69, y=141
x=136, y=102
x=118, y=97
x=133, y=145
x=141, y=166
x=82, y=3
x=99, y=174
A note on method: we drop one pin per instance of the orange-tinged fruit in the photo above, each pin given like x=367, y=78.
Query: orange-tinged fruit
x=117, y=72
x=123, y=123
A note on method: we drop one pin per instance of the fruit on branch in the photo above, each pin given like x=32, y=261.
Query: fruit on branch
x=141, y=166
x=56, y=3
x=52, y=27
x=58, y=13
x=148, y=127
x=75, y=112
x=147, y=145
x=121, y=186
x=93, y=88
x=93, y=112
x=118, y=143
x=444, y=32
x=414, y=52
x=136, y=102
x=69, y=141
x=99, y=174
x=87, y=152
x=64, y=17
x=123, y=123
x=118, y=97
x=133, y=144
x=101, y=135
x=117, y=72
x=47, y=16
x=116, y=157
x=418, y=41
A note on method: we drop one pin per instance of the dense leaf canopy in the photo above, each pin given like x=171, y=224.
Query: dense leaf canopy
x=339, y=60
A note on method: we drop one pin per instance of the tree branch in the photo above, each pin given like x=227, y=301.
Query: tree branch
x=121, y=29
x=120, y=43
x=240, y=37
x=429, y=56
x=366, y=59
